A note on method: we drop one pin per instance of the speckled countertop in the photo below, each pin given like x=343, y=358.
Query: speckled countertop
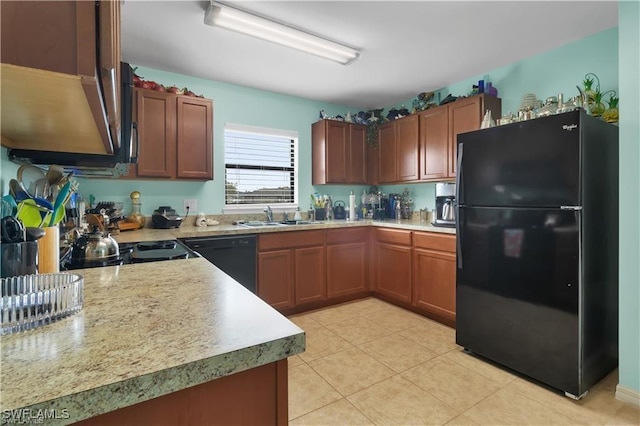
x=188, y=230
x=145, y=330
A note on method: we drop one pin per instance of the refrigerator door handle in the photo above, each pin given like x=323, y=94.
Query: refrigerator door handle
x=577, y=208
x=458, y=238
x=459, y=194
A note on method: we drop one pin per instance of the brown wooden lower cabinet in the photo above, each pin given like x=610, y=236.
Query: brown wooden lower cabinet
x=253, y=397
x=347, y=263
x=309, y=284
x=275, y=278
x=391, y=264
x=434, y=275
x=303, y=270
x=291, y=269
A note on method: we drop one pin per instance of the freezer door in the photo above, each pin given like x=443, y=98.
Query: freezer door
x=517, y=292
x=532, y=163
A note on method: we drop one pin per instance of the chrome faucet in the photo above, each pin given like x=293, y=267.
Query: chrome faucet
x=269, y=214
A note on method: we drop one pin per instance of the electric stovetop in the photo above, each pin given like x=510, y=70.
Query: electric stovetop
x=147, y=251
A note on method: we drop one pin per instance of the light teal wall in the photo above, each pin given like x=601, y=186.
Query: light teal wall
x=629, y=48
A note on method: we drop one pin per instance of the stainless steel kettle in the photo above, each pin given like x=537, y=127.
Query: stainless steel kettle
x=448, y=212
x=96, y=245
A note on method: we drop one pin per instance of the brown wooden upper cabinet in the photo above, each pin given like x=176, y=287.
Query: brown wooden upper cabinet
x=175, y=136
x=61, y=75
x=440, y=127
x=398, y=150
x=339, y=152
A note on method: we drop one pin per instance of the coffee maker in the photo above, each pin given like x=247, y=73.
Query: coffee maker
x=445, y=202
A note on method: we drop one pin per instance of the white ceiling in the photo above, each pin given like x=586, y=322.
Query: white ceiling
x=407, y=47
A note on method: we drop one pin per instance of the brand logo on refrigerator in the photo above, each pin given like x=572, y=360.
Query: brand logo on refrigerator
x=569, y=127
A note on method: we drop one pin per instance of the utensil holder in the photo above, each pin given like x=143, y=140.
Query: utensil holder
x=49, y=251
x=19, y=259
x=320, y=214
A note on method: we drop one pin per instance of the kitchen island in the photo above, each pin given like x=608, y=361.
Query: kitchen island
x=150, y=338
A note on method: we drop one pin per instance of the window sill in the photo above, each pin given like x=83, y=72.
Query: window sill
x=246, y=209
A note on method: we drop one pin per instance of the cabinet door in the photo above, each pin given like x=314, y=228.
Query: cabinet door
x=434, y=136
x=109, y=27
x=275, y=278
x=347, y=268
x=387, y=153
x=392, y=271
x=372, y=164
x=337, y=151
x=358, y=154
x=407, y=148
x=434, y=282
x=464, y=116
x=195, y=138
x=156, y=133
x=309, y=266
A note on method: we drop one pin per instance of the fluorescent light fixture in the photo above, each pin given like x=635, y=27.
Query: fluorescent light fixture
x=231, y=18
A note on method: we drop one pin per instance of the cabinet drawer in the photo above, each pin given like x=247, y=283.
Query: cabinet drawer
x=434, y=241
x=280, y=240
x=393, y=236
x=341, y=236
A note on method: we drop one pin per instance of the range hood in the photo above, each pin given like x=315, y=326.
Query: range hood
x=80, y=160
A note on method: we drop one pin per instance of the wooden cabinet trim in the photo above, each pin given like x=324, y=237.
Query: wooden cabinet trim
x=341, y=236
x=393, y=236
x=431, y=240
x=291, y=239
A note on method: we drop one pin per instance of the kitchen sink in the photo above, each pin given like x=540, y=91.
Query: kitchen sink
x=298, y=222
x=259, y=224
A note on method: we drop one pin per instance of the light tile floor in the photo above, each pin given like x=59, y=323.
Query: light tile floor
x=371, y=363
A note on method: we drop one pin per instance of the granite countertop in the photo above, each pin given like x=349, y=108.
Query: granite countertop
x=188, y=231
x=145, y=330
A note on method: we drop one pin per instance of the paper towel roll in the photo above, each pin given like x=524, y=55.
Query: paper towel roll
x=352, y=206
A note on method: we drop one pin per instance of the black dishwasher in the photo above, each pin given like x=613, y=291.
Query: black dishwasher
x=235, y=255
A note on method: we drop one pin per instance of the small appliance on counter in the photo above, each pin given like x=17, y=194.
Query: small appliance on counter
x=445, y=205
x=165, y=218
x=339, y=211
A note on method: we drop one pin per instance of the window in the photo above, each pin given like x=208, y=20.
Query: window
x=260, y=167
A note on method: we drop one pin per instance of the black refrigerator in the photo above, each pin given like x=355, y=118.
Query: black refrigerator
x=537, y=248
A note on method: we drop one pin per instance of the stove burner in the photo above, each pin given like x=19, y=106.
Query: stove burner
x=156, y=245
x=126, y=248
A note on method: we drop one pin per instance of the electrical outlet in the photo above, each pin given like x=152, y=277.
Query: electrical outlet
x=190, y=205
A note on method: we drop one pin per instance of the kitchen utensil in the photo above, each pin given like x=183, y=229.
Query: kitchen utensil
x=12, y=230
x=28, y=176
x=32, y=214
x=9, y=206
x=58, y=207
x=17, y=191
x=54, y=174
x=33, y=234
